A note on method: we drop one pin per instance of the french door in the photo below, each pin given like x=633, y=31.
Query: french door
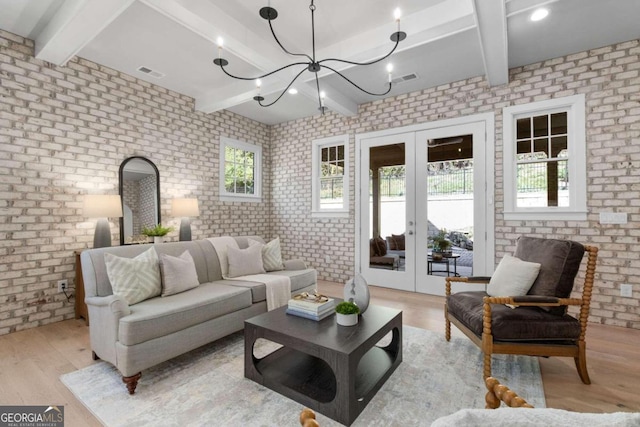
x=413, y=186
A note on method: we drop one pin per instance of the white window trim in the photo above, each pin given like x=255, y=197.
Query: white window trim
x=257, y=174
x=576, y=141
x=317, y=146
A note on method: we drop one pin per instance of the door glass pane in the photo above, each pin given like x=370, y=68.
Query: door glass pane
x=387, y=207
x=450, y=202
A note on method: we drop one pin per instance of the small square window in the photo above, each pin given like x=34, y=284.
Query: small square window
x=240, y=171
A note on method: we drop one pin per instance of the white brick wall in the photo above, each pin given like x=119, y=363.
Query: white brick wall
x=65, y=130
x=63, y=133
x=609, y=77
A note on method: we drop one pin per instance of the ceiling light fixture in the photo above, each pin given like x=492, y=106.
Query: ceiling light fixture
x=539, y=14
x=313, y=65
x=293, y=91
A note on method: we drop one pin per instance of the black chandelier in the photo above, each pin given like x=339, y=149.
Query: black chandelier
x=312, y=65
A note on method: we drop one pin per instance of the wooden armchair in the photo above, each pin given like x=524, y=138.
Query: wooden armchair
x=539, y=325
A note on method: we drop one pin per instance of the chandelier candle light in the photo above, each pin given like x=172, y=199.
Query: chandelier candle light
x=312, y=65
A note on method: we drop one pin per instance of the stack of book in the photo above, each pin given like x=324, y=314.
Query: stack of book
x=311, y=308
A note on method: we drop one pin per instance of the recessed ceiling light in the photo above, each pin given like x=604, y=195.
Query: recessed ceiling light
x=539, y=14
x=293, y=91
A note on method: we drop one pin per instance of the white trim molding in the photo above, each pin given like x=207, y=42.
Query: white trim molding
x=226, y=196
x=574, y=106
x=317, y=145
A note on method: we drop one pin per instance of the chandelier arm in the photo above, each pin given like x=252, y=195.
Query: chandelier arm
x=264, y=75
x=283, y=48
x=284, y=91
x=344, y=61
x=355, y=85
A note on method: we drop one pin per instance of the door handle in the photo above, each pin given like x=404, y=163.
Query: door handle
x=410, y=222
x=410, y=232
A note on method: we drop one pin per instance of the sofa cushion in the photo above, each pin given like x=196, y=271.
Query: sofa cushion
x=512, y=324
x=391, y=244
x=300, y=279
x=380, y=246
x=559, y=264
x=134, y=279
x=178, y=273
x=399, y=241
x=244, y=262
x=513, y=277
x=158, y=317
x=271, y=255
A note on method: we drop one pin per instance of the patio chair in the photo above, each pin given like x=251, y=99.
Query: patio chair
x=538, y=325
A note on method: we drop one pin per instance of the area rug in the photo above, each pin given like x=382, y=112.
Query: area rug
x=206, y=387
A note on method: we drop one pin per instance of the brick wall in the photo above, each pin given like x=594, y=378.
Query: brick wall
x=609, y=77
x=63, y=133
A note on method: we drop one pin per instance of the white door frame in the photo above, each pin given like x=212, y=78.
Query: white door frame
x=486, y=261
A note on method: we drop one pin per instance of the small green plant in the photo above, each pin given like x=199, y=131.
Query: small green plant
x=158, y=230
x=347, y=307
x=440, y=242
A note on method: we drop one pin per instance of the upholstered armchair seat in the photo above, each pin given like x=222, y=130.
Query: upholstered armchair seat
x=539, y=324
x=512, y=324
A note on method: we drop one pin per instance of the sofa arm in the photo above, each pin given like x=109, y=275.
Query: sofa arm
x=105, y=314
x=295, y=264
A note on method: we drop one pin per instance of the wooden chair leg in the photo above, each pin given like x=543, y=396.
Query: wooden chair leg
x=581, y=363
x=447, y=324
x=132, y=382
x=486, y=371
x=94, y=356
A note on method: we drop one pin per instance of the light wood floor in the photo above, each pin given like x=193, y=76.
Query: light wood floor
x=32, y=361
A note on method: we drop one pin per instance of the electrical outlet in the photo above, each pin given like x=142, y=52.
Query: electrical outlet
x=63, y=285
x=626, y=290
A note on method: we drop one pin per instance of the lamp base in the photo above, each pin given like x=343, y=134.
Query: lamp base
x=185, y=230
x=102, y=236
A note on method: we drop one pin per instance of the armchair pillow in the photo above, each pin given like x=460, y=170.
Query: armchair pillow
x=178, y=273
x=244, y=262
x=513, y=277
x=380, y=246
x=399, y=241
x=134, y=279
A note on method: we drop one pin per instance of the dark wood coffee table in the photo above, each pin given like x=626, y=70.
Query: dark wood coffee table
x=335, y=370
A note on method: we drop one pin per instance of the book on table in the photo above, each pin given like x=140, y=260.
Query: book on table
x=314, y=304
x=309, y=315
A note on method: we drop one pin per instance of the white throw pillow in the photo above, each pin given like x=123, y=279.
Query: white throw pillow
x=178, y=273
x=134, y=279
x=513, y=277
x=244, y=262
x=271, y=254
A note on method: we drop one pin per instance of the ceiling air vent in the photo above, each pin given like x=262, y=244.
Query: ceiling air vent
x=150, y=72
x=404, y=78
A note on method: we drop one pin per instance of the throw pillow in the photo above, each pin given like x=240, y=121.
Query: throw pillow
x=271, y=254
x=134, y=279
x=244, y=262
x=399, y=240
x=178, y=273
x=391, y=242
x=380, y=245
x=513, y=277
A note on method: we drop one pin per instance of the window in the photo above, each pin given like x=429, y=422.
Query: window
x=330, y=171
x=545, y=160
x=240, y=171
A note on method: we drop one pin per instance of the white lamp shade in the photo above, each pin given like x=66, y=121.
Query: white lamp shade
x=184, y=207
x=102, y=206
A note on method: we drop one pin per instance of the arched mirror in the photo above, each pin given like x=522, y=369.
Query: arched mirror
x=140, y=192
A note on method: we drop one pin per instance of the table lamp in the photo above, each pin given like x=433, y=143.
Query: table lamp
x=102, y=206
x=185, y=208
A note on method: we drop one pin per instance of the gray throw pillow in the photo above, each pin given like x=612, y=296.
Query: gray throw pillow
x=134, y=279
x=271, y=254
x=178, y=273
x=244, y=262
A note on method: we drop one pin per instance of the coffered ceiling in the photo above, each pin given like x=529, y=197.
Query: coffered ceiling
x=447, y=40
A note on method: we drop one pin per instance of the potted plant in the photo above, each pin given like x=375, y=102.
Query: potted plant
x=157, y=232
x=440, y=244
x=347, y=313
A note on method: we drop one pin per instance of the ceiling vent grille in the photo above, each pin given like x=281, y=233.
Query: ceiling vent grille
x=150, y=72
x=405, y=78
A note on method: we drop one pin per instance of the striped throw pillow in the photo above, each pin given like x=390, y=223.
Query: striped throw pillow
x=271, y=255
x=134, y=279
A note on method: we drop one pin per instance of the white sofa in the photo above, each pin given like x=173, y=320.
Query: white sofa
x=136, y=337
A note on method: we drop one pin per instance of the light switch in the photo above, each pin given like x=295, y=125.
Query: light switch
x=613, y=217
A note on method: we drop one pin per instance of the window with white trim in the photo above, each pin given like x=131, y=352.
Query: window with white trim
x=330, y=172
x=545, y=160
x=240, y=171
